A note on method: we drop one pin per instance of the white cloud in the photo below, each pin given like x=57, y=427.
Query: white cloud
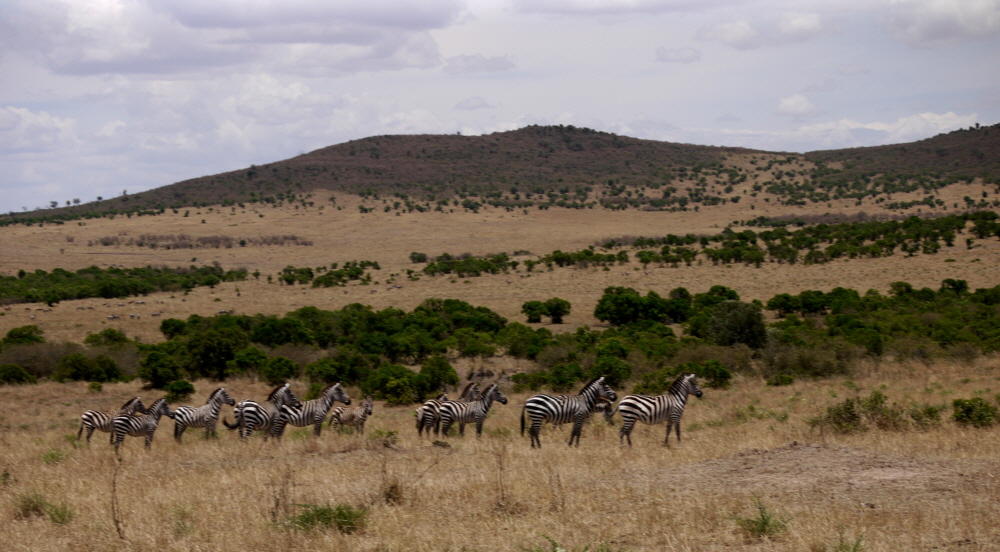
x=738, y=34
x=929, y=23
x=477, y=64
x=677, y=55
x=796, y=105
x=23, y=130
x=474, y=102
x=800, y=26
x=619, y=7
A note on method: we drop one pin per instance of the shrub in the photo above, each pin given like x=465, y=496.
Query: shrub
x=534, y=310
x=12, y=374
x=763, y=525
x=178, y=391
x=23, y=335
x=95, y=387
x=975, y=412
x=278, y=370
x=158, y=369
x=108, y=337
x=780, y=380
x=77, y=367
x=860, y=414
x=557, y=308
x=345, y=518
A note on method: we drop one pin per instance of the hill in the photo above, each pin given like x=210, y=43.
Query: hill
x=566, y=166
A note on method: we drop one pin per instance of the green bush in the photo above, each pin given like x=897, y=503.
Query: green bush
x=278, y=370
x=158, y=369
x=534, y=310
x=23, y=335
x=763, y=525
x=975, y=412
x=78, y=367
x=12, y=374
x=861, y=414
x=557, y=309
x=179, y=391
x=108, y=337
x=780, y=380
x=345, y=518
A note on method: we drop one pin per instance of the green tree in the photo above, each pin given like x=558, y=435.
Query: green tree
x=13, y=374
x=733, y=322
x=158, y=369
x=24, y=335
x=109, y=337
x=621, y=305
x=246, y=361
x=211, y=350
x=556, y=309
x=435, y=373
x=534, y=310
x=278, y=370
x=172, y=327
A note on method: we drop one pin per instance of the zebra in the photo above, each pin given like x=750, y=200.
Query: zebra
x=205, y=416
x=653, y=410
x=139, y=425
x=602, y=405
x=251, y=415
x=354, y=417
x=101, y=419
x=473, y=411
x=565, y=408
x=310, y=412
x=429, y=413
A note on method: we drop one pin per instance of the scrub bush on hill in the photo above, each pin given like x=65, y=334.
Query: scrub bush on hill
x=23, y=335
x=12, y=374
x=79, y=367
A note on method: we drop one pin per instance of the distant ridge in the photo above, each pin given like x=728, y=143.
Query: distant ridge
x=558, y=166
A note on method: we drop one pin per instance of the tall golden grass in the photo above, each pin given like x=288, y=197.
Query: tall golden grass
x=889, y=491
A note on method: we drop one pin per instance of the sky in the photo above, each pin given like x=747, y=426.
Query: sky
x=104, y=97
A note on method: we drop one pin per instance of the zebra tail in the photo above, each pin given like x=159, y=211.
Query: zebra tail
x=226, y=423
x=522, y=419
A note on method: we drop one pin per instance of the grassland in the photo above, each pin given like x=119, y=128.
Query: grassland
x=934, y=489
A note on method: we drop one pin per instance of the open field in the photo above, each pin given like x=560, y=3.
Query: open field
x=343, y=235
x=937, y=489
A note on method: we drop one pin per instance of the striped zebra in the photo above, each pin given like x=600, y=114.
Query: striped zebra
x=353, y=416
x=429, y=413
x=473, y=411
x=252, y=415
x=205, y=416
x=565, y=408
x=310, y=412
x=653, y=410
x=101, y=419
x=137, y=425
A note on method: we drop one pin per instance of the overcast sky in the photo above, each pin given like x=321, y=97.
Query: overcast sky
x=101, y=96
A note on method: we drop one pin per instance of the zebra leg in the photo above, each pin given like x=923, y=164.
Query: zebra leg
x=179, y=431
x=666, y=440
x=149, y=441
x=536, y=428
x=626, y=432
x=479, y=427
x=361, y=427
x=318, y=426
x=577, y=430
x=90, y=431
x=461, y=429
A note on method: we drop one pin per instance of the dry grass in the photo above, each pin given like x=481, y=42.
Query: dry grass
x=935, y=489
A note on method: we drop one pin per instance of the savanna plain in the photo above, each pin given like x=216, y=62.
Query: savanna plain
x=748, y=452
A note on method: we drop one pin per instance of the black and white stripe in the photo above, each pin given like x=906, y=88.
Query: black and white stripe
x=101, y=419
x=474, y=411
x=310, y=412
x=205, y=416
x=653, y=410
x=564, y=409
x=139, y=425
x=354, y=416
x=252, y=415
x=429, y=413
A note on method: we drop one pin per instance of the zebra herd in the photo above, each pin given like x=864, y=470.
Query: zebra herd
x=283, y=408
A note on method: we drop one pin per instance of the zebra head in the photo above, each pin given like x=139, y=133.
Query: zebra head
x=493, y=393
x=685, y=385
x=369, y=402
x=283, y=395
x=133, y=406
x=604, y=391
x=160, y=408
x=334, y=392
x=221, y=396
x=470, y=392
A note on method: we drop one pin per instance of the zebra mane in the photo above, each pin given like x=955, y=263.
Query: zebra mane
x=467, y=387
x=156, y=404
x=277, y=391
x=130, y=402
x=215, y=393
x=485, y=392
x=589, y=383
x=328, y=387
x=680, y=382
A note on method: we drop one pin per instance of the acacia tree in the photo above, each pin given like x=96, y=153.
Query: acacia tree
x=556, y=309
x=534, y=310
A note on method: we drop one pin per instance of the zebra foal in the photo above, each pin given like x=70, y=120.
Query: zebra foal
x=139, y=425
x=474, y=411
x=355, y=416
x=251, y=415
x=101, y=419
x=429, y=413
x=564, y=409
x=205, y=416
x=653, y=410
x=310, y=412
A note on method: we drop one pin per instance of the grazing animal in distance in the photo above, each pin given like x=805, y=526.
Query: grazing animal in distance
x=653, y=410
x=101, y=419
x=137, y=425
x=354, y=416
x=205, y=416
x=252, y=415
x=473, y=411
x=310, y=412
x=429, y=413
x=564, y=408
